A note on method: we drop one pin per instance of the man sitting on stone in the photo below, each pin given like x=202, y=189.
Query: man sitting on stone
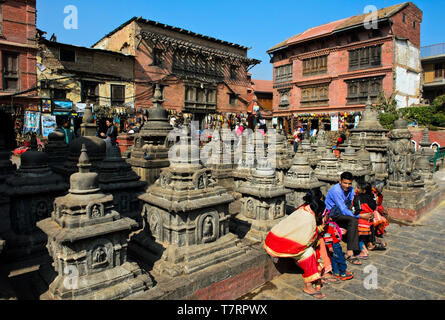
x=339, y=202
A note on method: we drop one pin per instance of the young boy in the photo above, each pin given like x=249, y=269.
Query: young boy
x=332, y=236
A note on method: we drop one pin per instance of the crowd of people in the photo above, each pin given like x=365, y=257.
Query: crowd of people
x=313, y=234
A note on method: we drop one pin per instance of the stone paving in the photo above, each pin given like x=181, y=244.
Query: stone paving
x=412, y=268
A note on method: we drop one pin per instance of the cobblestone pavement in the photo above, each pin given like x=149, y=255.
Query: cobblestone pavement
x=413, y=267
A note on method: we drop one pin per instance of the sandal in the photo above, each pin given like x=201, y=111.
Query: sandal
x=353, y=260
x=379, y=246
x=330, y=279
x=360, y=256
x=346, y=276
x=317, y=295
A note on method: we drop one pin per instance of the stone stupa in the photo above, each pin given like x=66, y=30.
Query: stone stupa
x=149, y=153
x=32, y=190
x=117, y=177
x=57, y=151
x=186, y=218
x=87, y=236
x=328, y=170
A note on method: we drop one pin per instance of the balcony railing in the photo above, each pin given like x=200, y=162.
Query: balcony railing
x=433, y=50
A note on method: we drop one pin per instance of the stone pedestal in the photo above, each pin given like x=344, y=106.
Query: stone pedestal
x=117, y=177
x=186, y=219
x=263, y=203
x=32, y=190
x=87, y=239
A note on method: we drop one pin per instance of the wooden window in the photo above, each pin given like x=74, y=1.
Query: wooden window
x=404, y=18
x=59, y=94
x=360, y=89
x=283, y=73
x=284, y=98
x=157, y=57
x=11, y=71
x=67, y=55
x=363, y=58
x=314, y=66
x=414, y=24
x=439, y=71
x=117, y=94
x=90, y=91
x=232, y=99
x=317, y=95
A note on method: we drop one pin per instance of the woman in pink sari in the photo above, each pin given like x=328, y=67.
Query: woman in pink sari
x=297, y=237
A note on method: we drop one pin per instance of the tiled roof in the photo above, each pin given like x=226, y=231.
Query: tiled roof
x=262, y=85
x=435, y=136
x=338, y=25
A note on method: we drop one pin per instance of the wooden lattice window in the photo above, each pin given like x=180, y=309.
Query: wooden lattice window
x=363, y=58
x=360, y=89
x=10, y=71
x=283, y=73
x=317, y=95
x=314, y=66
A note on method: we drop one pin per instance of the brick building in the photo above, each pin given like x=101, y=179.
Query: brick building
x=18, y=49
x=200, y=75
x=332, y=69
x=433, y=64
x=77, y=76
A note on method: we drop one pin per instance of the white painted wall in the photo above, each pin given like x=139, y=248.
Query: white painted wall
x=408, y=74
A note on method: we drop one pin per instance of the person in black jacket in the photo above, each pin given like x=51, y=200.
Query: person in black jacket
x=111, y=134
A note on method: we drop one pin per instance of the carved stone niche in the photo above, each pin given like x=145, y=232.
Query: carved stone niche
x=95, y=210
x=152, y=222
x=100, y=255
x=207, y=229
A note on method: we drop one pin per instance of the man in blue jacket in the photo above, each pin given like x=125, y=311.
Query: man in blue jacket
x=339, y=202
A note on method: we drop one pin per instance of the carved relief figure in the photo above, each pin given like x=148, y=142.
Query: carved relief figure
x=95, y=211
x=207, y=227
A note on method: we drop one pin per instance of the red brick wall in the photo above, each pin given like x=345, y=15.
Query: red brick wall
x=19, y=36
x=405, y=29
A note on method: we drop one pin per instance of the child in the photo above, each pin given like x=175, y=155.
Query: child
x=332, y=236
x=380, y=219
x=364, y=204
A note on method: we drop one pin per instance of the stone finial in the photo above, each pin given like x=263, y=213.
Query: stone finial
x=369, y=103
x=84, y=164
x=157, y=97
x=426, y=141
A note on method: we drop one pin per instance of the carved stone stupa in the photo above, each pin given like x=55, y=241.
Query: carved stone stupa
x=89, y=238
x=404, y=194
x=186, y=218
x=150, y=151
x=328, y=170
x=376, y=141
x=300, y=179
x=263, y=203
x=57, y=151
x=96, y=146
x=32, y=190
x=350, y=162
x=277, y=144
x=117, y=177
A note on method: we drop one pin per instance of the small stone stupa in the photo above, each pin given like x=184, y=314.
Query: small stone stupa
x=117, y=177
x=186, y=218
x=32, y=190
x=425, y=144
x=222, y=157
x=89, y=238
x=376, y=141
x=246, y=149
x=263, y=203
x=300, y=179
x=350, y=162
x=96, y=146
x=57, y=151
x=423, y=168
x=328, y=170
x=277, y=144
x=150, y=151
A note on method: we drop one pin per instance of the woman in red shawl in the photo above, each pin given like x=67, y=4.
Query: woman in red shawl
x=297, y=237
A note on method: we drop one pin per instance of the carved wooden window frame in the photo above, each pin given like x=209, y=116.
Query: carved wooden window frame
x=10, y=74
x=365, y=58
x=315, y=66
x=359, y=89
x=283, y=73
x=315, y=95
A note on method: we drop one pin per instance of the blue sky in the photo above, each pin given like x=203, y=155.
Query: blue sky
x=258, y=24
